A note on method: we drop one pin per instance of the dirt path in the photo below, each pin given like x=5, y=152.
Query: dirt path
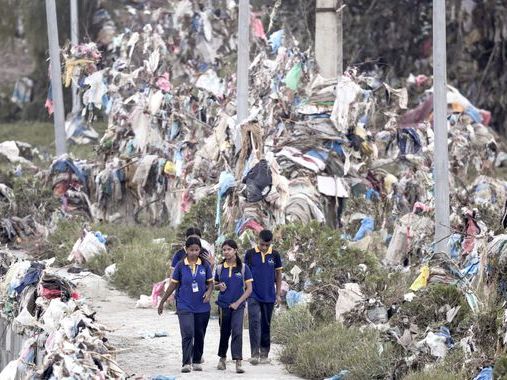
x=158, y=356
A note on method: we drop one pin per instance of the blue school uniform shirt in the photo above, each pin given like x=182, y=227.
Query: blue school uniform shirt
x=235, y=283
x=184, y=275
x=263, y=268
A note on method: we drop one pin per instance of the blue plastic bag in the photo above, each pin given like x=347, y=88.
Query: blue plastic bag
x=275, y=40
x=342, y=375
x=293, y=298
x=485, y=374
x=225, y=182
x=454, y=245
x=367, y=225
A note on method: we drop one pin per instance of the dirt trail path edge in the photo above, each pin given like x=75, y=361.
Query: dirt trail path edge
x=159, y=356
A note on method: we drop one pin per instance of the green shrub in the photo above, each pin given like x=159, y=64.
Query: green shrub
x=500, y=370
x=325, y=351
x=326, y=262
x=291, y=322
x=426, y=308
x=140, y=261
x=140, y=264
x=434, y=374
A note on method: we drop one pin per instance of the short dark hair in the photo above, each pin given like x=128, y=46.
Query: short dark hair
x=266, y=235
x=193, y=240
x=193, y=231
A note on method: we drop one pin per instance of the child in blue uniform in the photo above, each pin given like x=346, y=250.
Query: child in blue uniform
x=180, y=254
x=266, y=266
x=234, y=281
x=193, y=281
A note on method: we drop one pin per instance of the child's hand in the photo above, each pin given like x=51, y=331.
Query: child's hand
x=222, y=287
x=206, y=297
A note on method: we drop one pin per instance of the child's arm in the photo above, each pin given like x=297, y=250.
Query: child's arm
x=209, y=290
x=244, y=297
x=172, y=286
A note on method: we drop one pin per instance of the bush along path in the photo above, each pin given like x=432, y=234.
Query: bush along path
x=143, y=356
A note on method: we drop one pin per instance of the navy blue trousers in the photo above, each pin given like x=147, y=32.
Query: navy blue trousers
x=193, y=329
x=259, y=326
x=231, y=323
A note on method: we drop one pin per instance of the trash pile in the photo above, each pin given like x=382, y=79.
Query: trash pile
x=13, y=228
x=310, y=147
x=64, y=338
x=351, y=152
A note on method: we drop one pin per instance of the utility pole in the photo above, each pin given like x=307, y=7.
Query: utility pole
x=329, y=56
x=243, y=61
x=74, y=38
x=329, y=37
x=56, y=77
x=440, y=153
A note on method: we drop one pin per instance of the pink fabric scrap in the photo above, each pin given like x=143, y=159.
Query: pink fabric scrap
x=257, y=27
x=163, y=82
x=156, y=293
x=253, y=225
x=421, y=79
x=49, y=105
x=420, y=206
x=472, y=231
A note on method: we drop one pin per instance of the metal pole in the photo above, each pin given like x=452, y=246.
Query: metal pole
x=243, y=60
x=74, y=37
x=441, y=154
x=56, y=77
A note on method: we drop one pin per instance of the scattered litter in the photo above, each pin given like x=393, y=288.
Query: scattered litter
x=348, y=298
x=144, y=302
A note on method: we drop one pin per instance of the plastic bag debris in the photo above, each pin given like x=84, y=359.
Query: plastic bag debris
x=158, y=334
x=342, y=375
x=210, y=82
x=293, y=77
x=436, y=343
x=144, y=302
x=22, y=92
x=422, y=280
x=367, y=226
x=485, y=374
x=110, y=271
x=294, y=298
x=348, y=298
x=87, y=247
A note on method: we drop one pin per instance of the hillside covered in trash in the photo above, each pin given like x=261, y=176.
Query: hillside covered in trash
x=341, y=169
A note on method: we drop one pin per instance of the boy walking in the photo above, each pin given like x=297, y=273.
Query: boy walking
x=266, y=266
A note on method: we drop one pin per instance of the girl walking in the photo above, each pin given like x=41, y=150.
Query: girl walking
x=234, y=281
x=193, y=281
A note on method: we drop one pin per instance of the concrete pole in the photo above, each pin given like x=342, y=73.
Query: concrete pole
x=329, y=38
x=243, y=60
x=56, y=77
x=339, y=37
x=441, y=154
x=74, y=38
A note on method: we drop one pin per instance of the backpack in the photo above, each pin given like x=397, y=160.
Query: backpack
x=221, y=266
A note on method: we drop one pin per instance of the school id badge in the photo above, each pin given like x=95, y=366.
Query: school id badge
x=195, y=287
